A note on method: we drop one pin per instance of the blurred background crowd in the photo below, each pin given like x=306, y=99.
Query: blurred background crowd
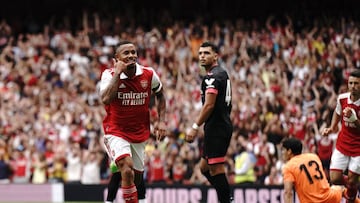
x=286, y=70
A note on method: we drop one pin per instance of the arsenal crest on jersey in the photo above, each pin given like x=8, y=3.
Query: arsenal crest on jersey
x=144, y=84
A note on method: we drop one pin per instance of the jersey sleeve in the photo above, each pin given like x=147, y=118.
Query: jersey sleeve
x=287, y=174
x=156, y=84
x=338, y=107
x=105, y=80
x=211, y=85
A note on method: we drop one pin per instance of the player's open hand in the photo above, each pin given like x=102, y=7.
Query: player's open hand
x=326, y=131
x=160, y=130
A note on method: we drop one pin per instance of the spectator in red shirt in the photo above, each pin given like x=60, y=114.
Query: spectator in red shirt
x=156, y=167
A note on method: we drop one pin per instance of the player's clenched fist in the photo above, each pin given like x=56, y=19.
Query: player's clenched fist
x=326, y=131
x=349, y=115
x=191, y=133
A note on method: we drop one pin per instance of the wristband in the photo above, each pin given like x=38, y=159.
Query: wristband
x=195, y=126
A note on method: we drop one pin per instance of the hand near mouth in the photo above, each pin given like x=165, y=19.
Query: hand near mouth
x=121, y=66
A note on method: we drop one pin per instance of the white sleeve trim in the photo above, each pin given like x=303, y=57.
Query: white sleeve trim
x=105, y=80
x=155, y=82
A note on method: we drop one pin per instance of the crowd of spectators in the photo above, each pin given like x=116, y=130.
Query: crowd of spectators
x=284, y=83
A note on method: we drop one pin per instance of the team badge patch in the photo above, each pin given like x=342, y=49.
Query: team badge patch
x=144, y=84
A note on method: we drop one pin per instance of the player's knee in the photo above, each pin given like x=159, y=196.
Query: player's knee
x=336, y=179
x=127, y=172
x=353, y=181
x=216, y=169
x=126, y=168
x=124, y=163
x=205, y=170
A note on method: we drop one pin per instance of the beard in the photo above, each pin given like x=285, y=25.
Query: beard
x=131, y=66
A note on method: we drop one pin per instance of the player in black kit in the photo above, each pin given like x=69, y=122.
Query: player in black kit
x=215, y=113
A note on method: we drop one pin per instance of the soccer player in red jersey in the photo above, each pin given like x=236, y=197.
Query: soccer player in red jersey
x=346, y=155
x=125, y=91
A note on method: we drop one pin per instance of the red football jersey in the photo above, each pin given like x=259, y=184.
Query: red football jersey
x=348, y=141
x=128, y=114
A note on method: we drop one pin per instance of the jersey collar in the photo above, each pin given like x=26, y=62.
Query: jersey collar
x=139, y=71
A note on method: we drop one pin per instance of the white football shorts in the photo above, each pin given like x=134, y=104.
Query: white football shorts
x=341, y=162
x=118, y=147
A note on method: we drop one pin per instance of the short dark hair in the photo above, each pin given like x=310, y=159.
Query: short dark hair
x=212, y=45
x=121, y=43
x=355, y=73
x=124, y=42
x=294, y=144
